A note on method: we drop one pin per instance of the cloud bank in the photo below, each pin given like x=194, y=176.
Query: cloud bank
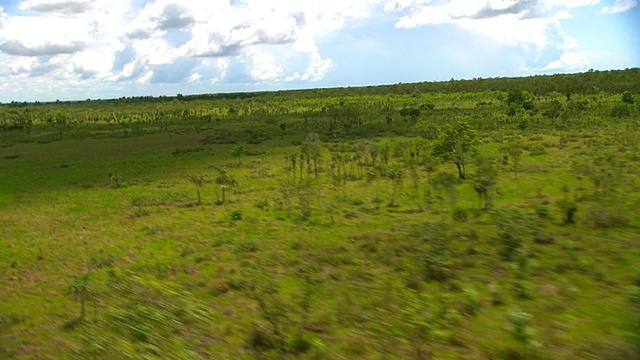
x=96, y=43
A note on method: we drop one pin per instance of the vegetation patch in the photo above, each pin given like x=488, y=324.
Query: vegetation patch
x=492, y=218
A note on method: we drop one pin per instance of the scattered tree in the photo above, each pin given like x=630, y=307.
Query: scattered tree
x=82, y=290
x=485, y=178
x=237, y=151
x=225, y=181
x=457, y=143
x=198, y=181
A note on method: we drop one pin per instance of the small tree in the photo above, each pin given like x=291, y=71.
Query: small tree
x=512, y=151
x=627, y=97
x=513, y=226
x=485, y=178
x=395, y=173
x=520, y=331
x=444, y=182
x=113, y=179
x=224, y=180
x=81, y=289
x=412, y=113
x=457, y=143
x=199, y=182
x=569, y=209
x=312, y=153
x=238, y=151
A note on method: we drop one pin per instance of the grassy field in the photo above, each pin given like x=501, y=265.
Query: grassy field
x=358, y=263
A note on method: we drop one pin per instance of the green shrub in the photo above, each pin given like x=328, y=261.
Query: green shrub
x=102, y=261
x=186, y=251
x=139, y=211
x=471, y=301
x=569, y=209
x=537, y=150
x=460, y=214
x=151, y=229
x=520, y=331
x=235, y=215
x=496, y=294
x=605, y=217
x=248, y=246
x=221, y=240
x=621, y=110
x=543, y=212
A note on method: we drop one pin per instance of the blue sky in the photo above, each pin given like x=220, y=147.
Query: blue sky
x=79, y=49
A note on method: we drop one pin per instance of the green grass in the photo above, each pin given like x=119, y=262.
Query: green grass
x=339, y=271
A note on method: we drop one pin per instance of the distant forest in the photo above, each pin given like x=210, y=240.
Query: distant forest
x=590, y=82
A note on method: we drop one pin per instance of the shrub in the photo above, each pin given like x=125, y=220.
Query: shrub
x=512, y=225
x=151, y=229
x=139, y=211
x=248, y=246
x=519, y=329
x=460, y=214
x=537, y=150
x=496, y=294
x=186, y=251
x=605, y=217
x=569, y=209
x=220, y=240
x=543, y=212
x=621, y=110
x=236, y=215
x=102, y=261
x=471, y=301
x=627, y=97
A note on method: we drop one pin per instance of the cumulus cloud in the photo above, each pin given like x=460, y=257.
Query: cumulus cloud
x=174, y=17
x=13, y=47
x=55, y=6
x=167, y=41
x=491, y=10
x=571, y=60
x=532, y=25
x=570, y=3
x=620, y=6
x=248, y=41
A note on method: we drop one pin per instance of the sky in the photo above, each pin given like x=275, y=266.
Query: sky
x=79, y=49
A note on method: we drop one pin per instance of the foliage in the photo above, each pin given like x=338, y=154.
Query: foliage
x=520, y=331
x=457, y=143
x=144, y=319
x=568, y=208
x=237, y=151
x=513, y=225
x=198, y=181
x=302, y=260
x=82, y=290
x=484, y=180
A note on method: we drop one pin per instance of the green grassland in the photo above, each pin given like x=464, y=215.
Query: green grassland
x=181, y=228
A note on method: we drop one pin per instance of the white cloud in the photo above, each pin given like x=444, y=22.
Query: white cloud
x=56, y=6
x=263, y=66
x=571, y=60
x=620, y=6
x=570, y=3
x=532, y=25
x=93, y=41
x=399, y=5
